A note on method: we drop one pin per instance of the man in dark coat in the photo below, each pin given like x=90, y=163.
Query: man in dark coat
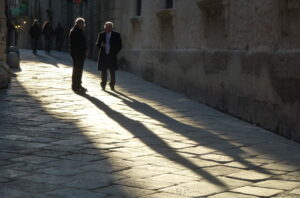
x=35, y=32
x=78, y=49
x=110, y=44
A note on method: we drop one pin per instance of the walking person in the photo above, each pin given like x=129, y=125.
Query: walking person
x=78, y=49
x=35, y=32
x=48, y=36
x=59, y=36
x=110, y=45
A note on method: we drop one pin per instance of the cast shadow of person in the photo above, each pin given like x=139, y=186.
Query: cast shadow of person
x=140, y=131
x=44, y=59
x=188, y=131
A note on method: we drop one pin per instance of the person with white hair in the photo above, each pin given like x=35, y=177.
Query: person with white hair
x=110, y=45
x=78, y=50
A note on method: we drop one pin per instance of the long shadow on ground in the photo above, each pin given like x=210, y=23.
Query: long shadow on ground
x=147, y=136
x=192, y=133
x=38, y=156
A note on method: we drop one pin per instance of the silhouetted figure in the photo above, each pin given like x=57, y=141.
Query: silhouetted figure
x=110, y=44
x=59, y=34
x=48, y=36
x=35, y=32
x=78, y=49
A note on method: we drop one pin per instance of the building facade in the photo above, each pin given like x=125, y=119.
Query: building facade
x=4, y=73
x=240, y=57
x=2, y=31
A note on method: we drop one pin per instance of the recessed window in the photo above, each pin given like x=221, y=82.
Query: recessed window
x=169, y=4
x=138, y=7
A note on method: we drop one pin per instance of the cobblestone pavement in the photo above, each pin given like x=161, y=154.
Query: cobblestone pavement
x=140, y=141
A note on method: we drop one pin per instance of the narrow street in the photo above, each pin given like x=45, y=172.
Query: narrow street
x=139, y=141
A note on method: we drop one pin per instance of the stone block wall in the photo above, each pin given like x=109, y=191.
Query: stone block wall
x=4, y=71
x=240, y=57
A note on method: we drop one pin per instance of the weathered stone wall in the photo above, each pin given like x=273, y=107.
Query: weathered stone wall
x=4, y=71
x=2, y=31
x=237, y=56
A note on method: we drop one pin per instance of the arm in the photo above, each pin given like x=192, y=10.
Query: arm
x=99, y=40
x=72, y=43
x=119, y=43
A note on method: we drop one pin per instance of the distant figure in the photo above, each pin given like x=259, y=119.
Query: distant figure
x=59, y=34
x=48, y=36
x=110, y=44
x=78, y=49
x=35, y=32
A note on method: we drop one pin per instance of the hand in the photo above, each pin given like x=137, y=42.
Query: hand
x=103, y=45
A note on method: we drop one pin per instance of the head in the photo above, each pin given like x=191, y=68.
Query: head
x=35, y=22
x=80, y=23
x=108, y=26
x=46, y=24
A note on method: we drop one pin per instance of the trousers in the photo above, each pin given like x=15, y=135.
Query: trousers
x=77, y=72
x=112, y=73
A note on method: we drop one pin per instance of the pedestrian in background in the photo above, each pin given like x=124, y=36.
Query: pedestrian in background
x=48, y=36
x=35, y=32
x=59, y=36
x=110, y=45
x=78, y=50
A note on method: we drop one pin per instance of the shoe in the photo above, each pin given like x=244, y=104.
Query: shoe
x=102, y=85
x=76, y=90
x=82, y=89
x=112, y=87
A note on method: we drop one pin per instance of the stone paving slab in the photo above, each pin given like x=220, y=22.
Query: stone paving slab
x=138, y=141
x=264, y=192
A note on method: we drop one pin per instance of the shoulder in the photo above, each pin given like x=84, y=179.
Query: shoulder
x=115, y=33
x=75, y=30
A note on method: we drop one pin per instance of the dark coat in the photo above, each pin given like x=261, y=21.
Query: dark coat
x=115, y=48
x=48, y=32
x=35, y=31
x=78, y=46
x=59, y=33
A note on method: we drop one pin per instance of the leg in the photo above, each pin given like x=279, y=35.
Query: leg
x=75, y=85
x=33, y=43
x=58, y=44
x=112, y=82
x=49, y=46
x=76, y=74
x=46, y=45
x=36, y=42
x=80, y=70
x=103, y=77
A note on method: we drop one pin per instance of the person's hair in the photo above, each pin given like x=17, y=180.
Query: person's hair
x=46, y=23
x=109, y=23
x=35, y=22
x=78, y=20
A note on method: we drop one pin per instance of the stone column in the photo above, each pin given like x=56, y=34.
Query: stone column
x=4, y=71
x=2, y=31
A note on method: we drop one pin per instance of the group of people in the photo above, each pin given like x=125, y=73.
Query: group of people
x=110, y=44
x=36, y=31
